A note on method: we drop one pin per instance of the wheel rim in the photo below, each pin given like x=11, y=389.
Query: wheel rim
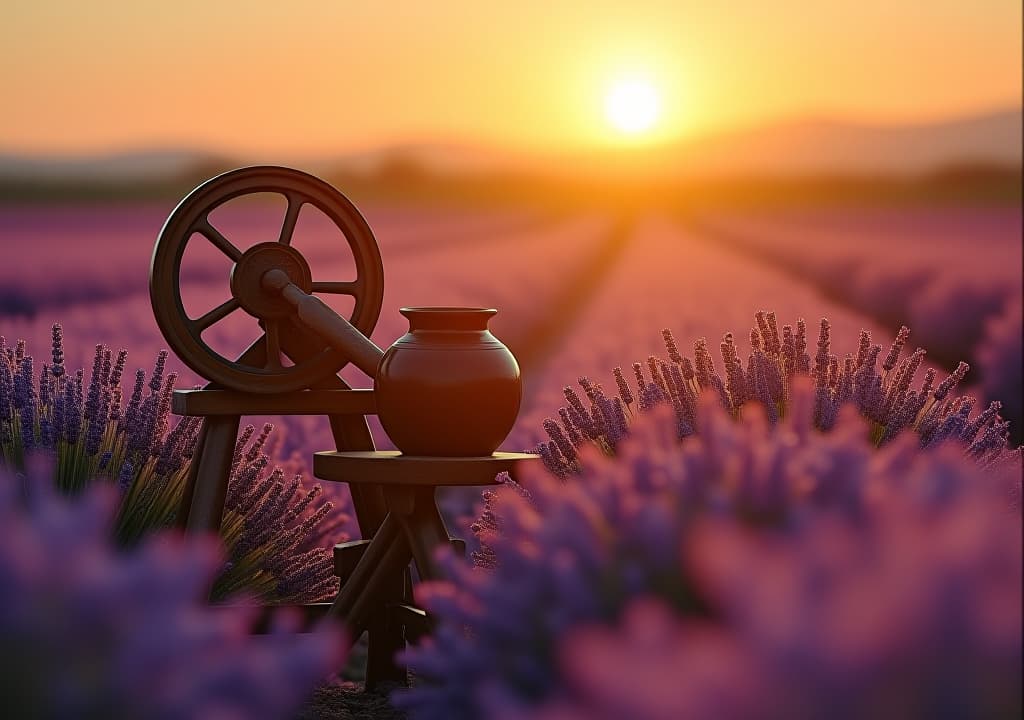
x=191, y=216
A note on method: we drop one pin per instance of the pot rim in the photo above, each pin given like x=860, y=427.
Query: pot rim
x=448, y=318
x=446, y=310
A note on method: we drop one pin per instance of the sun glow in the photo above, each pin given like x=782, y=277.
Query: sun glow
x=632, y=106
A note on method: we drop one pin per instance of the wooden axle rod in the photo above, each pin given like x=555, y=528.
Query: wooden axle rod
x=315, y=314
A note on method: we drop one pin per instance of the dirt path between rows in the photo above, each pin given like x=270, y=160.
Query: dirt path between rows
x=534, y=346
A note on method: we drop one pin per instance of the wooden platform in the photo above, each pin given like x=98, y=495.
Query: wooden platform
x=373, y=573
x=383, y=467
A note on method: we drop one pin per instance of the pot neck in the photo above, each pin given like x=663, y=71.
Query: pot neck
x=448, y=319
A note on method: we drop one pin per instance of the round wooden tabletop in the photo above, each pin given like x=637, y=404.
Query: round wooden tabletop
x=390, y=467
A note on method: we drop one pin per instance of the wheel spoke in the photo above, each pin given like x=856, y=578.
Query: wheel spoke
x=337, y=288
x=217, y=314
x=212, y=234
x=290, y=218
x=254, y=355
x=273, y=346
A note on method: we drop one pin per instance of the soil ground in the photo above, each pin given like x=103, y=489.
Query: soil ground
x=346, y=700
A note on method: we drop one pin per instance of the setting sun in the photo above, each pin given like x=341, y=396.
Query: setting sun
x=632, y=106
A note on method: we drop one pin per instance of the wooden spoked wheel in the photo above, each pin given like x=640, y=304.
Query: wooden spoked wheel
x=183, y=333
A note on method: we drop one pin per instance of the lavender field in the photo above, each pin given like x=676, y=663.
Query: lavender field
x=577, y=293
x=649, y=529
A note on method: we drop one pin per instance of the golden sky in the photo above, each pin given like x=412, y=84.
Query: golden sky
x=303, y=77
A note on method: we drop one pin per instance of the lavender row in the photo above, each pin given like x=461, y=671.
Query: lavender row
x=96, y=432
x=951, y=273
x=879, y=386
x=76, y=255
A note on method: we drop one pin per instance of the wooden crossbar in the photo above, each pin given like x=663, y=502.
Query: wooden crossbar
x=206, y=403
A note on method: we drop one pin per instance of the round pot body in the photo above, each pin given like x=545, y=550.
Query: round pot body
x=448, y=387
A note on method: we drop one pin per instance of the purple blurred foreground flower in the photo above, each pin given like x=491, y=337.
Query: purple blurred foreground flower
x=879, y=382
x=89, y=631
x=774, y=563
x=270, y=521
x=917, y=615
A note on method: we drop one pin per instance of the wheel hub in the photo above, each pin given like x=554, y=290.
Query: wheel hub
x=247, y=276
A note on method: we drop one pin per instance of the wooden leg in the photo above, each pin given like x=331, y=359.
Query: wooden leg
x=387, y=637
x=424, y=530
x=387, y=536
x=213, y=468
x=351, y=433
x=255, y=354
x=386, y=632
x=185, y=505
x=372, y=597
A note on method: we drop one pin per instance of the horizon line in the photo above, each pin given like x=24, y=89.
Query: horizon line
x=439, y=140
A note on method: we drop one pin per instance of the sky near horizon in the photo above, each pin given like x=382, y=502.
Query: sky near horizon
x=309, y=78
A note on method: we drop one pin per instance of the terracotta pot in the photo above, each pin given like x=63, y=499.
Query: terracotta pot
x=448, y=386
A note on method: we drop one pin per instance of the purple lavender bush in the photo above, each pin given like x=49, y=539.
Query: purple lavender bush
x=94, y=434
x=91, y=631
x=913, y=611
x=754, y=569
x=880, y=386
x=833, y=621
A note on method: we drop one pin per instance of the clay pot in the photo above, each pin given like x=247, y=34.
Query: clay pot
x=448, y=387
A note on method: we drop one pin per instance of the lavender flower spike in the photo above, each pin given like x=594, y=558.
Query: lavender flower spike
x=670, y=346
x=952, y=381
x=623, y=386
x=897, y=347
x=57, y=351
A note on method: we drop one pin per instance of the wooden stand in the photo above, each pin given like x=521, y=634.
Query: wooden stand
x=374, y=591
x=393, y=495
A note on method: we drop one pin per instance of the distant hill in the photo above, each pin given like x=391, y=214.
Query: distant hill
x=804, y=147
x=109, y=167
x=812, y=147
x=801, y=147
